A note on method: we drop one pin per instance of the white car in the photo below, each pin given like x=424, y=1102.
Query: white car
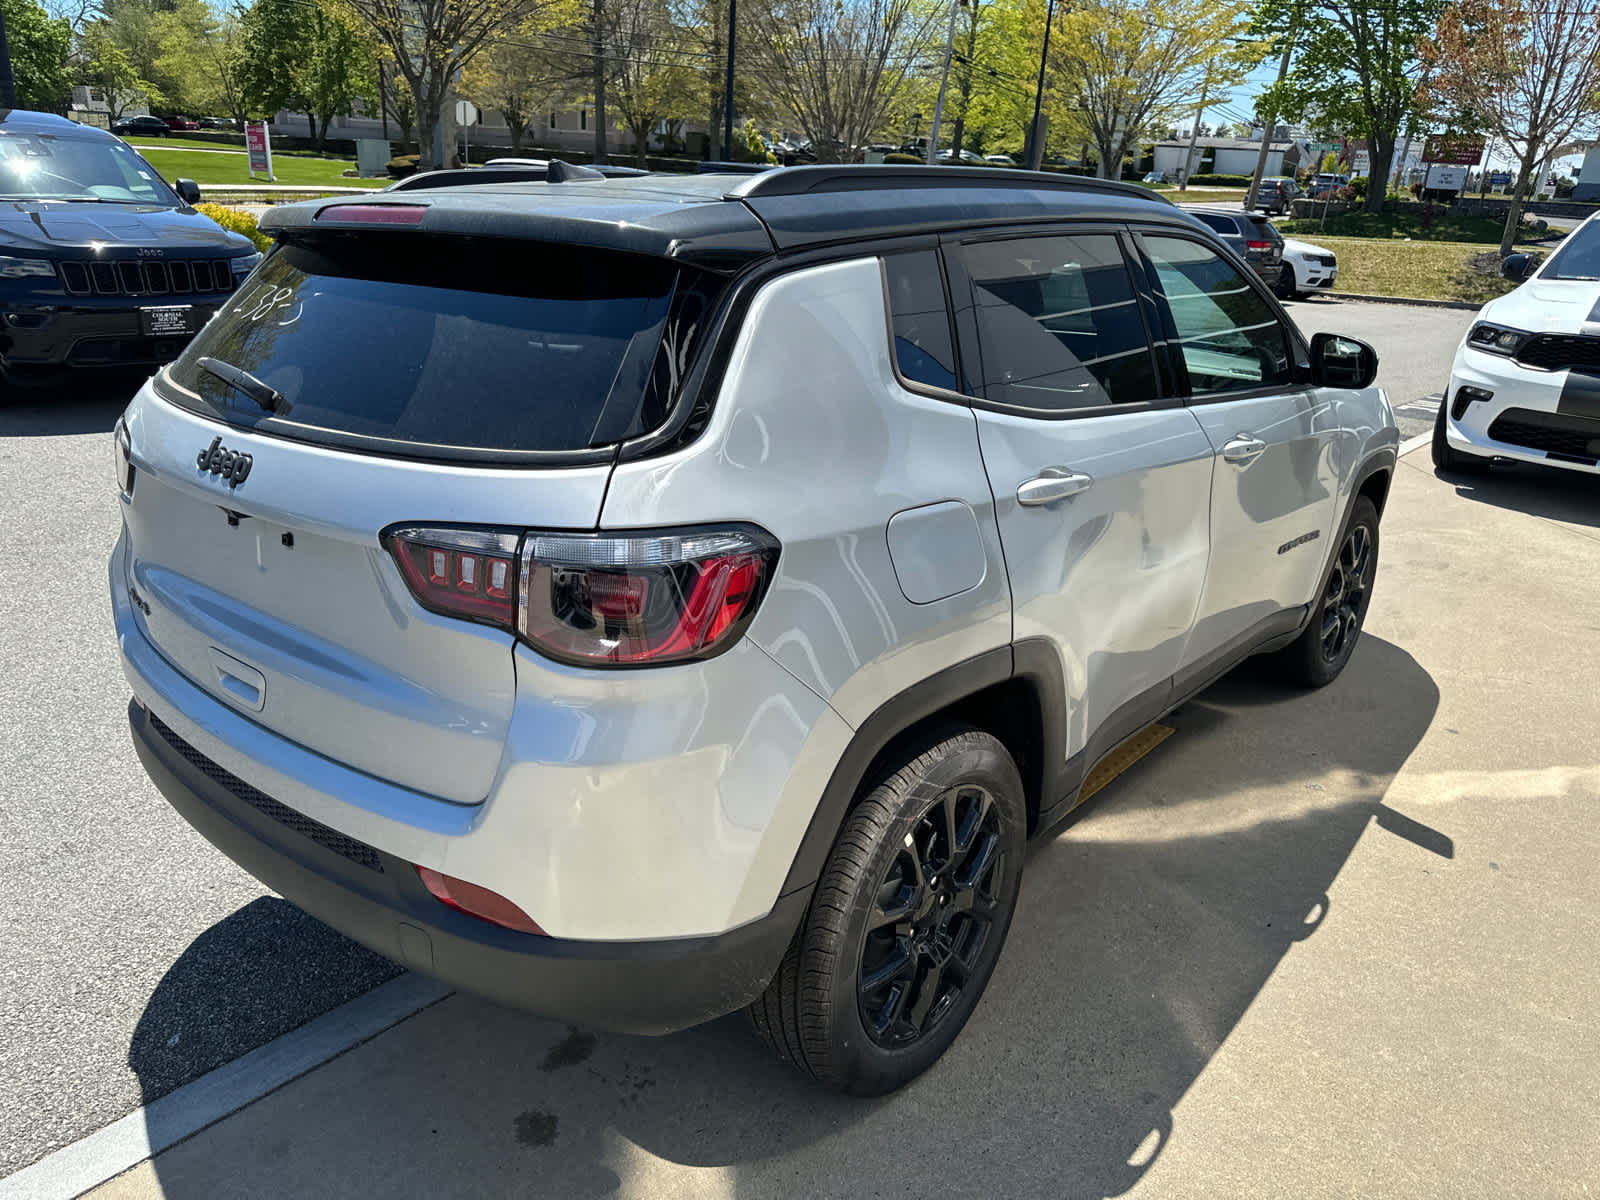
x=1306, y=268
x=1526, y=379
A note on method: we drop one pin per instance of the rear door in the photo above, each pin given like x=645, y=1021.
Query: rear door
x=1274, y=437
x=414, y=387
x=1100, y=479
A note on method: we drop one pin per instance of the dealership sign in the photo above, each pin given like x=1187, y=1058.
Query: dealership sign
x=1453, y=149
x=259, y=142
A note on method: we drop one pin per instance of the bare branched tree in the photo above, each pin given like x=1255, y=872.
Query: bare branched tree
x=431, y=41
x=1529, y=73
x=836, y=66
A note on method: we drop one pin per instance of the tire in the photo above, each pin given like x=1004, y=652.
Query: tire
x=863, y=1003
x=1446, y=457
x=1284, y=289
x=1318, y=656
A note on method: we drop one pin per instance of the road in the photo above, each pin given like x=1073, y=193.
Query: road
x=137, y=957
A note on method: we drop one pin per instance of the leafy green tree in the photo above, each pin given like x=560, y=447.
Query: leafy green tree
x=525, y=75
x=39, y=46
x=305, y=58
x=650, y=78
x=1356, y=64
x=109, y=67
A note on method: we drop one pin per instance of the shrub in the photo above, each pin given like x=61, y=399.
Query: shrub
x=905, y=160
x=1358, y=185
x=238, y=221
x=403, y=165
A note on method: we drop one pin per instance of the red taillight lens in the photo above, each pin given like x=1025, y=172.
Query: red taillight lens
x=1259, y=245
x=477, y=901
x=645, y=599
x=467, y=573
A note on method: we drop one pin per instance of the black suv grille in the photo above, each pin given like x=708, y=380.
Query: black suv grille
x=1557, y=433
x=329, y=839
x=1560, y=351
x=178, y=277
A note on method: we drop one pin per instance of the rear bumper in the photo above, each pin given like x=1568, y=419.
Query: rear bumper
x=644, y=987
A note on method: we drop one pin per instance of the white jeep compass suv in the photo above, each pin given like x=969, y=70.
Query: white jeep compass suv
x=641, y=599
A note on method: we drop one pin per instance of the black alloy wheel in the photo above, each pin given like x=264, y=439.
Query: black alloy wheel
x=1344, y=600
x=935, y=912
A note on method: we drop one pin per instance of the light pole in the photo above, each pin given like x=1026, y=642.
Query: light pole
x=1035, y=142
x=8, y=86
x=944, y=78
x=727, y=94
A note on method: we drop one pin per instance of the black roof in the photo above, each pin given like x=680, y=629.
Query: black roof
x=22, y=120
x=722, y=222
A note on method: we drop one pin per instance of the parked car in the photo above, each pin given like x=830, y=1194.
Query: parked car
x=181, y=124
x=967, y=156
x=1249, y=235
x=1306, y=268
x=734, y=663
x=105, y=266
x=1276, y=194
x=1157, y=177
x=218, y=123
x=1326, y=185
x=1000, y=160
x=141, y=126
x=1523, y=384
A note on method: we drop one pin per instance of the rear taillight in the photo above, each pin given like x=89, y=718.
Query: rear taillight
x=603, y=600
x=122, y=458
x=1259, y=245
x=470, y=573
x=476, y=901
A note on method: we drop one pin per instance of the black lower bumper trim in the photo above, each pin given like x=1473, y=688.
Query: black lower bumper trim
x=651, y=987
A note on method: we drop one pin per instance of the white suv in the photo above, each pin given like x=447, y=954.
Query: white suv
x=636, y=600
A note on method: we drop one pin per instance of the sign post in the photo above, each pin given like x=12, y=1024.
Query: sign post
x=1320, y=149
x=1446, y=157
x=466, y=117
x=259, y=143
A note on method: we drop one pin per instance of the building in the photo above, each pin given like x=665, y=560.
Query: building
x=1231, y=156
x=88, y=107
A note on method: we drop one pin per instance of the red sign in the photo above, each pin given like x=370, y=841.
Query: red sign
x=259, y=143
x=1453, y=149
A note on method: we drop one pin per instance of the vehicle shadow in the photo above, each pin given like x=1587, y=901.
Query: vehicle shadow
x=1537, y=491
x=91, y=405
x=1146, y=929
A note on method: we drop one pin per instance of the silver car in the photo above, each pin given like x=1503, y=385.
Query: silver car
x=638, y=600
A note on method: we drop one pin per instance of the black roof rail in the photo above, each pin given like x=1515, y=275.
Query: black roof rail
x=809, y=180
x=732, y=168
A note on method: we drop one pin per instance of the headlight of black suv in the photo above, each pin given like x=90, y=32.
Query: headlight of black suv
x=22, y=268
x=1496, y=339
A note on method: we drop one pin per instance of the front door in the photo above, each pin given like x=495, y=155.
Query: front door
x=1274, y=437
x=1100, y=484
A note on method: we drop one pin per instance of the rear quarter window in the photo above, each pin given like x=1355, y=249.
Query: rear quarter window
x=448, y=346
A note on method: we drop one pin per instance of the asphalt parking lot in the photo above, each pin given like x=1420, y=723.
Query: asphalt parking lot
x=1340, y=939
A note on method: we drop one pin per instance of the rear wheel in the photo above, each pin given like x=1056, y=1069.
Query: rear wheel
x=907, y=921
x=1320, y=653
x=1285, y=289
x=1446, y=457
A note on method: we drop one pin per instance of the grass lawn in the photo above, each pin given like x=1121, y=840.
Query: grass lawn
x=1400, y=223
x=185, y=143
x=229, y=168
x=1418, y=270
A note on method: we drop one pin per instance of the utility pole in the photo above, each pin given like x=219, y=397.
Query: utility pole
x=727, y=91
x=944, y=79
x=599, y=84
x=1035, y=156
x=8, y=86
x=1194, y=134
x=1268, y=121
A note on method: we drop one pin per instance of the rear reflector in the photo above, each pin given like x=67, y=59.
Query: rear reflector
x=375, y=214
x=477, y=901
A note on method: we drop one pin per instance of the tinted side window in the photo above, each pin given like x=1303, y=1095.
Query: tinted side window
x=1058, y=324
x=1230, y=339
x=921, y=319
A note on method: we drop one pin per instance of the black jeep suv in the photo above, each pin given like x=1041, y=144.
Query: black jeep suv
x=102, y=265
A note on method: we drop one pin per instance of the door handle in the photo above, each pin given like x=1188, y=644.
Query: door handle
x=1242, y=449
x=1052, y=484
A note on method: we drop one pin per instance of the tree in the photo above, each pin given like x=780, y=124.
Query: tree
x=520, y=77
x=1131, y=63
x=341, y=69
x=1357, y=64
x=836, y=66
x=39, y=46
x=109, y=68
x=650, y=78
x=1529, y=73
x=432, y=41
x=305, y=58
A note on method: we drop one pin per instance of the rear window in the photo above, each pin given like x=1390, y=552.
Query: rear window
x=451, y=347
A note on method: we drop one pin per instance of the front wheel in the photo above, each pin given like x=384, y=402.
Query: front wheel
x=1446, y=457
x=1319, y=654
x=1285, y=287
x=907, y=920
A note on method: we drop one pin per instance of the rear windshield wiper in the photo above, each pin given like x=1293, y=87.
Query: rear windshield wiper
x=267, y=396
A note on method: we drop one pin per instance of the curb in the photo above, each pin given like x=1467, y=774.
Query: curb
x=1410, y=301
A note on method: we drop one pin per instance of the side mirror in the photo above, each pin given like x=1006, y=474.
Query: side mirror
x=188, y=191
x=1342, y=362
x=1517, y=267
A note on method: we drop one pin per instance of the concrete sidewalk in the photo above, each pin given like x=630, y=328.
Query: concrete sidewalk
x=1317, y=944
